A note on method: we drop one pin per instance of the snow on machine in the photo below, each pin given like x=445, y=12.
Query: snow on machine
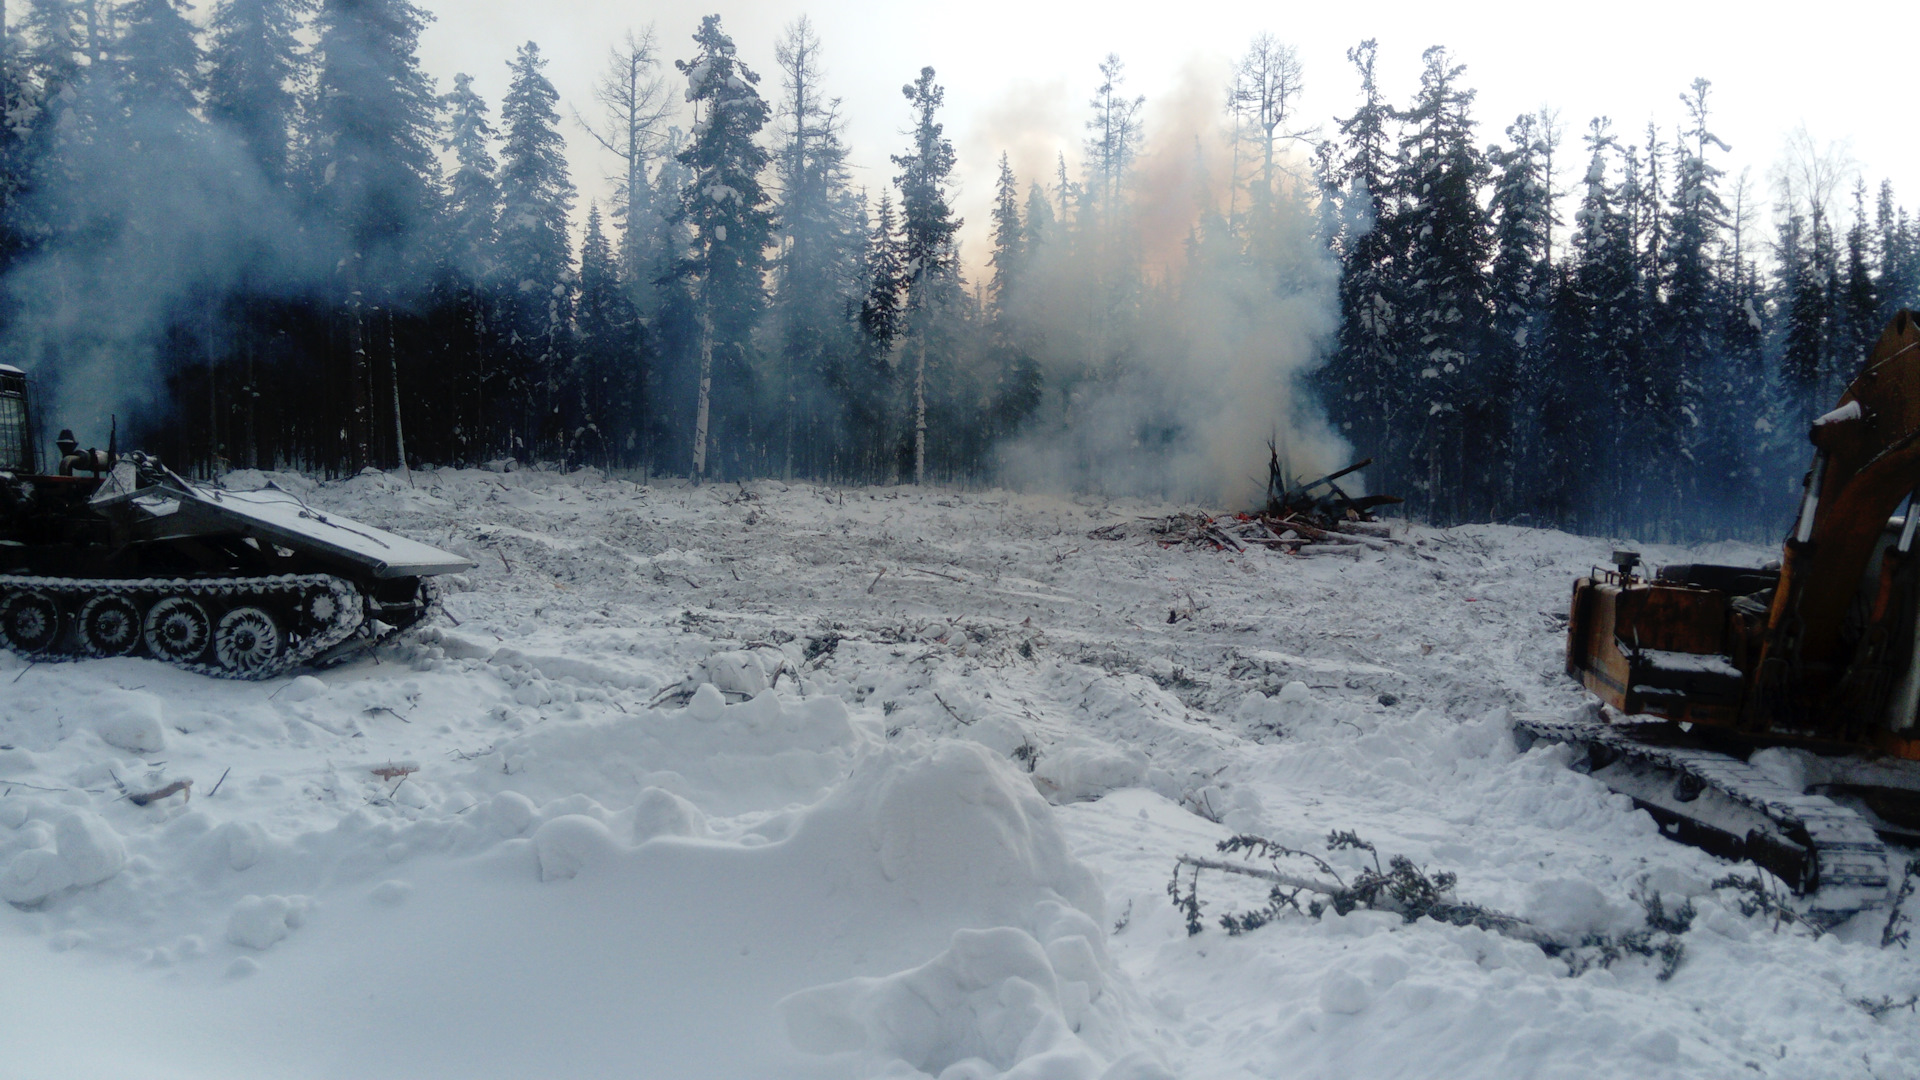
x=112, y=556
x=1699, y=667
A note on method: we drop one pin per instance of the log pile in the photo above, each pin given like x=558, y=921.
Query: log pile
x=1312, y=518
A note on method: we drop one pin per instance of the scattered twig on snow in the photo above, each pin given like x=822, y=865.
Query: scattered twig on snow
x=217, y=783
x=389, y=771
x=1885, y=1005
x=34, y=787
x=23, y=671
x=876, y=579
x=949, y=708
x=677, y=688
x=142, y=798
x=1757, y=898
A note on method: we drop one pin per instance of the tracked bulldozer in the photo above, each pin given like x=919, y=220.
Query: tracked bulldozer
x=1814, y=659
x=112, y=555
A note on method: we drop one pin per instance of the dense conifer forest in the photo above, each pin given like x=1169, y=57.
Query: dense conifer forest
x=264, y=236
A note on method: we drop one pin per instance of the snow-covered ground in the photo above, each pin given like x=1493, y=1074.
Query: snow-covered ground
x=939, y=844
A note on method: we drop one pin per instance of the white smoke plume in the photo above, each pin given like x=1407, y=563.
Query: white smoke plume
x=1174, y=347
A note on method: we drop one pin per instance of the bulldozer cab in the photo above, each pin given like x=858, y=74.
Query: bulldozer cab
x=16, y=428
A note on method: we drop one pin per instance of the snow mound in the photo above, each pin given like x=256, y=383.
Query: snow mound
x=86, y=851
x=960, y=827
x=130, y=720
x=570, y=844
x=258, y=922
x=1570, y=908
x=990, y=1002
x=735, y=672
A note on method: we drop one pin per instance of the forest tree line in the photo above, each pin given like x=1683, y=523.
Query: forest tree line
x=300, y=251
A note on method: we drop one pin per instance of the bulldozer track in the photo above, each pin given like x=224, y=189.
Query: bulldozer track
x=220, y=625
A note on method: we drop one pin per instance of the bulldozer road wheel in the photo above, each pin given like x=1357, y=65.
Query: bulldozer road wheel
x=109, y=626
x=29, y=622
x=322, y=607
x=247, y=640
x=177, y=629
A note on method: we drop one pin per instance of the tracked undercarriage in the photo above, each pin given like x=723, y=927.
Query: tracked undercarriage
x=1825, y=852
x=135, y=560
x=235, y=627
x=1814, y=660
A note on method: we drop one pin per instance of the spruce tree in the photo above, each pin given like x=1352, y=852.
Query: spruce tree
x=725, y=210
x=1711, y=408
x=479, y=386
x=1897, y=254
x=370, y=132
x=882, y=314
x=473, y=189
x=160, y=62
x=1446, y=302
x=928, y=228
x=1518, y=288
x=536, y=192
x=1016, y=370
x=608, y=382
x=254, y=63
x=1368, y=399
x=372, y=174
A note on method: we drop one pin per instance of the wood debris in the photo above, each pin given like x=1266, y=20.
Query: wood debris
x=142, y=798
x=1316, y=517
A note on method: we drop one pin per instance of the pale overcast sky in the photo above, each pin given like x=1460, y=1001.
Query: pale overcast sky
x=1019, y=73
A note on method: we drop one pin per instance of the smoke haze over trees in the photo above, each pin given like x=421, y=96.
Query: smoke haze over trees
x=262, y=235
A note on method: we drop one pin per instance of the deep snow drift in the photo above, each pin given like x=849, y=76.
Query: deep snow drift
x=789, y=781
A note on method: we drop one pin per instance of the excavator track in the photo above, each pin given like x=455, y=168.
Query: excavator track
x=230, y=627
x=1824, y=852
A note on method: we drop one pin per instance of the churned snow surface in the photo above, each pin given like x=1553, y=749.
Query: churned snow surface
x=798, y=782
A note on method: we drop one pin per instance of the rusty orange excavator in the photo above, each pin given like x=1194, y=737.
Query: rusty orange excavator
x=1770, y=713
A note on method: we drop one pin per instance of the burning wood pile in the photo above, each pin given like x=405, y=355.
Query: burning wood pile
x=1312, y=518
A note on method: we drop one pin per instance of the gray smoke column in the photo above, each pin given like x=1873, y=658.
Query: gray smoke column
x=1175, y=346
x=150, y=224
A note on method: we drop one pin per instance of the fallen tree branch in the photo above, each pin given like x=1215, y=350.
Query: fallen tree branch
x=1339, y=538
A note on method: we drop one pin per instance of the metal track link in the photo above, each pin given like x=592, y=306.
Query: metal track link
x=1822, y=850
x=283, y=591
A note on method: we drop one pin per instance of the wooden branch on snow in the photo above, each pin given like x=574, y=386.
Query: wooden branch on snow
x=1330, y=549
x=1278, y=877
x=1369, y=528
x=1339, y=538
x=1219, y=536
x=1498, y=922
